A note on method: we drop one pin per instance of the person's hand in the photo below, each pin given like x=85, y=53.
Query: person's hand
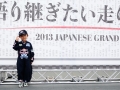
x=17, y=38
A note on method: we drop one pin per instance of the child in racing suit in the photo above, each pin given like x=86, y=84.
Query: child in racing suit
x=24, y=59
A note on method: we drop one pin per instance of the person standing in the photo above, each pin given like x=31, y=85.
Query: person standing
x=25, y=58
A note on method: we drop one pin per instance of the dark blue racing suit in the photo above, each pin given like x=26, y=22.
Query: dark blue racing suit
x=24, y=60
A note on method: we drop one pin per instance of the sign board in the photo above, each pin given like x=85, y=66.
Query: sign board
x=62, y=29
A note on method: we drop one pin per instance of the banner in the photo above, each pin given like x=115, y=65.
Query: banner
x=62, y=29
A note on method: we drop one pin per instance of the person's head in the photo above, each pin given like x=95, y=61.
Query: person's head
x=23, y=35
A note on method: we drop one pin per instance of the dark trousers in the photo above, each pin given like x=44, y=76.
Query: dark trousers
x=24, y=69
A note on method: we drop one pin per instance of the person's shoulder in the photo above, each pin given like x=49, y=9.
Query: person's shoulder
x=28, y=42
x=19, y=42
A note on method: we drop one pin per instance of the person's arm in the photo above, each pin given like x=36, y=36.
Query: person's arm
x=16, y=44
x=32, y=54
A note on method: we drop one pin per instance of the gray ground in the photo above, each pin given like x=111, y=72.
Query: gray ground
x=110, y=86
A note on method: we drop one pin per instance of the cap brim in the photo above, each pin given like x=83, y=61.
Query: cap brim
x=22, y=34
